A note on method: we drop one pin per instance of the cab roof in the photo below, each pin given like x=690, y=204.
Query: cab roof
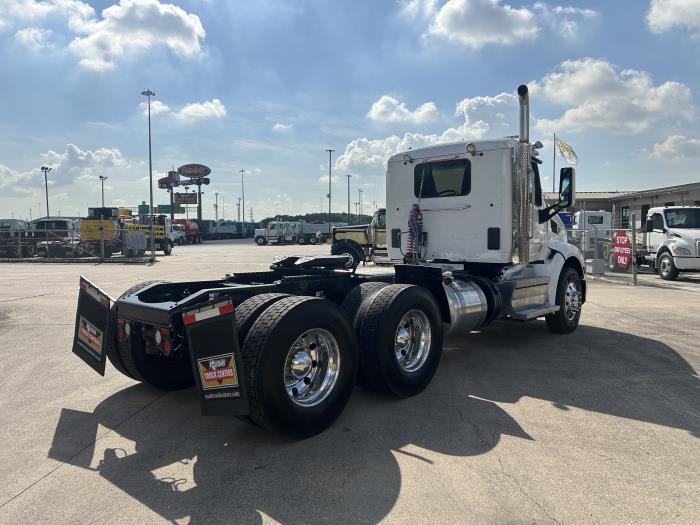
x=454, y=148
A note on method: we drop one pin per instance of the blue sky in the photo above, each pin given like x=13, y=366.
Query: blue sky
x=267, y=86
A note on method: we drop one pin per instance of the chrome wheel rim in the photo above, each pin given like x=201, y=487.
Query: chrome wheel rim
x=351, y=262
x=572, y=301
x=412, y=341
x=665, y=266
x=311, y=367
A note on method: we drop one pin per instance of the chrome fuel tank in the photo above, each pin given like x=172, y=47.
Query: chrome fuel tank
x=467, y=304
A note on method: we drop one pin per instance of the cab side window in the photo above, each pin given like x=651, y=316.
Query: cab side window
x=658, y=221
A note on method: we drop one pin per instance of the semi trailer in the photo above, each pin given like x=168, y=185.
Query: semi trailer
x=284, y=348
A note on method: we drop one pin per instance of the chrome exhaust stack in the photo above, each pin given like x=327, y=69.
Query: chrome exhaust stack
x=521, y=208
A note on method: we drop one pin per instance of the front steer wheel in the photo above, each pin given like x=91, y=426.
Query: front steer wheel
x=300, y=360
x=400, y=339
x=569, y=301
x=667, y=268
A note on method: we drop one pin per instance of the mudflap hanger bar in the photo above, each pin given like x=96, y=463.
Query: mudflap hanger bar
x=93, y=329
x=216, y=358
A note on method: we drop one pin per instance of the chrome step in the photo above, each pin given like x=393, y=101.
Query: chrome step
x=533, y=312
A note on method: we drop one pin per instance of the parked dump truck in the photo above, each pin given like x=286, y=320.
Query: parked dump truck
x=285, y=347
x=361, y=242
x=193, y=234
x=289, y=232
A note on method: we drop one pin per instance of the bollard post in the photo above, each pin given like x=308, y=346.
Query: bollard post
x=634, y=250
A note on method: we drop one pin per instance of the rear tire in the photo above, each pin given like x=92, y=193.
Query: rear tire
x=287, y=341
x=249, y=310
x=313, y=240
x=301, y=240
x=568, y=299
x=167, y=248
x=400, y=339
x=667, y=268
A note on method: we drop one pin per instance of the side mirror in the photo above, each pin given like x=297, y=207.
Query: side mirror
x=650, y=225
x=567, y=187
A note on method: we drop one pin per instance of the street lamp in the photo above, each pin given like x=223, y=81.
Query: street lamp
x=359, y=192
x=216, y=207
x=46, y=170
x=102, y=181
x=243, y=204
x=348, y=176
x=330, y=153
x=148, y=93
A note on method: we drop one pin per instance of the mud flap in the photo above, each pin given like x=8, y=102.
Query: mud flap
x=92, y=330
x=216, y=359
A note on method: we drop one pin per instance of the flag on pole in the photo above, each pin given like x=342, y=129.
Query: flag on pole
x=567, y=152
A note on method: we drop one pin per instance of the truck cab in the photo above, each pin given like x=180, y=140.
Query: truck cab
x=591, y=229
x=361, y=242
x=673, y=240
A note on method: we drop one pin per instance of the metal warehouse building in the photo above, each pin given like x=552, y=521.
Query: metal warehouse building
x=624, y=203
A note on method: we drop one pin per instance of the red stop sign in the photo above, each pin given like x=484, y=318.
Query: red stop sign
x=622, y=249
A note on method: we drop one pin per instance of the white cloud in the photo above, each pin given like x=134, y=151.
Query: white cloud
x=677, y=147
x=201, y=110
x=389, y=110
x=475, y=23
x=75, y=11
x=279, y=126
x=370, y=155
x=564, y=20
x=597, y=96
x=411, y=9
x=666, y=14
x=136, y=25
x=324, y=179
x=157, y=107
x=33, y=38
x=68, y=166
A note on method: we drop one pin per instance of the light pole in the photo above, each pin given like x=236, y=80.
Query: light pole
x=238, y=210
x=243, y=204
x=148, y=93
x=348, y=176
x=216, y=207
x=102, y=181
x=223, y=208
x=46, y=170
x=330, y=153
x=359, y=192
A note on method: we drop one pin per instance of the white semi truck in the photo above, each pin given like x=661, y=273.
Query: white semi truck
x=300, y=232
x=672, y=240
x=285, y=347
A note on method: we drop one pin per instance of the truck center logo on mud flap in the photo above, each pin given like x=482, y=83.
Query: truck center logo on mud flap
x=90, y=336
x=218, y=372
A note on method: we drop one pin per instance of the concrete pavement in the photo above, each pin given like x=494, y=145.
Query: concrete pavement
x=519, y=425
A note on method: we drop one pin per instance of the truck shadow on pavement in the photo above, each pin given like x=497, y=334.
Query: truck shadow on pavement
x=219, y=469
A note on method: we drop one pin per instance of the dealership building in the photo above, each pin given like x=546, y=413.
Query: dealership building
x=623, y=204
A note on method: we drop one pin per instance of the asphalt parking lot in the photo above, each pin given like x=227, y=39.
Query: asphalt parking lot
x=518, y=426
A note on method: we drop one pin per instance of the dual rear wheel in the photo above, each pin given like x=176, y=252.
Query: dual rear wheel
x=301, y=354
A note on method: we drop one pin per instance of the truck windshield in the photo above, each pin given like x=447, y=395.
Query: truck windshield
x=683, y=218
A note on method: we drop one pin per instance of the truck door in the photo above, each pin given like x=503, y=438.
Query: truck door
x=657, y=236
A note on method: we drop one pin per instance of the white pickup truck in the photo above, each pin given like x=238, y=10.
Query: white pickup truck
x=672, y=240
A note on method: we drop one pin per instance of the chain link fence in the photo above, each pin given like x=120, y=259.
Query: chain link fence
x=65, y=245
